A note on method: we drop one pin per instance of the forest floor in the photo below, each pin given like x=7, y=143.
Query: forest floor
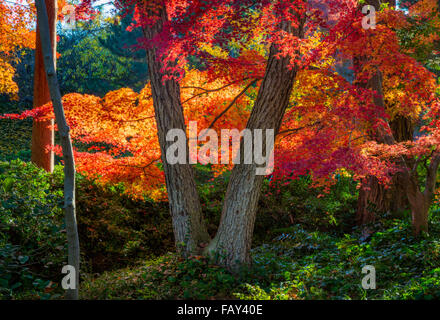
x=298, y=265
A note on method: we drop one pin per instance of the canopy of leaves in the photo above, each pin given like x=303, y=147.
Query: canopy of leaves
x=15, y=35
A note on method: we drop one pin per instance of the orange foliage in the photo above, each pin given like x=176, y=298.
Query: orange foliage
x=118, y=132
x=15, y=34
x=326, y=127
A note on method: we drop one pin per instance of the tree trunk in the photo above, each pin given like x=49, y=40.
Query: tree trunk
x=189, y=227
x=374, y=197
x=397, y=201
x=66, y=144
x=42, y=131
x=420, y=202
x=233, y=240
x=419, y=211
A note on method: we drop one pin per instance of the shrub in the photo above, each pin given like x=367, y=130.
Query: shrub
x=32, y=241
x=284, y=204
x=116, y=230
x=316, y=265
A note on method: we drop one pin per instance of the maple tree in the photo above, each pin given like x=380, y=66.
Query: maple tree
x=258, y=64
x=164, y=76
x=43, y=135
x=413, y=32
x=206, y=23
x=395, y=88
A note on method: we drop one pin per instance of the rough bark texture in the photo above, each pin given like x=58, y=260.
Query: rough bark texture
x=189, y=227
x=42, y=131
x=66, y=144
x=233, y=240
x=396, y=200
x=421, y=201
x=372, y=195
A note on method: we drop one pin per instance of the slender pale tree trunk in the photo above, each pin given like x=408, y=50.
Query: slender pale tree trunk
x=189, y=227
x=233, y=240
x=42, y=131
x=66, y=144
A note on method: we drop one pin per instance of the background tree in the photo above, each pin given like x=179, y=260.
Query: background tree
x=43, y=136
x=100, y=55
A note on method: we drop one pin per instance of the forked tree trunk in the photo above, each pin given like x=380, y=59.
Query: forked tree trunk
x=66, y=144
x=43, y=135
x=233, y=240
x=190, y=231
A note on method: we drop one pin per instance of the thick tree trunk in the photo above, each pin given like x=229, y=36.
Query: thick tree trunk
x=42, y=131
x=66, y=144
x=233, y=240
x=189, y=227
x=397, y=201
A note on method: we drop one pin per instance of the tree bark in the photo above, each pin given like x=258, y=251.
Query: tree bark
x=43, y=136
x=66, y=144
x=233, y=240
x=189, y=226
x=420, y=202
x=419, y=209
x=374, y=197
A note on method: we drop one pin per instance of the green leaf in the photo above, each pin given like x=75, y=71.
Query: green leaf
x=23, y=259
x=8, y=183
